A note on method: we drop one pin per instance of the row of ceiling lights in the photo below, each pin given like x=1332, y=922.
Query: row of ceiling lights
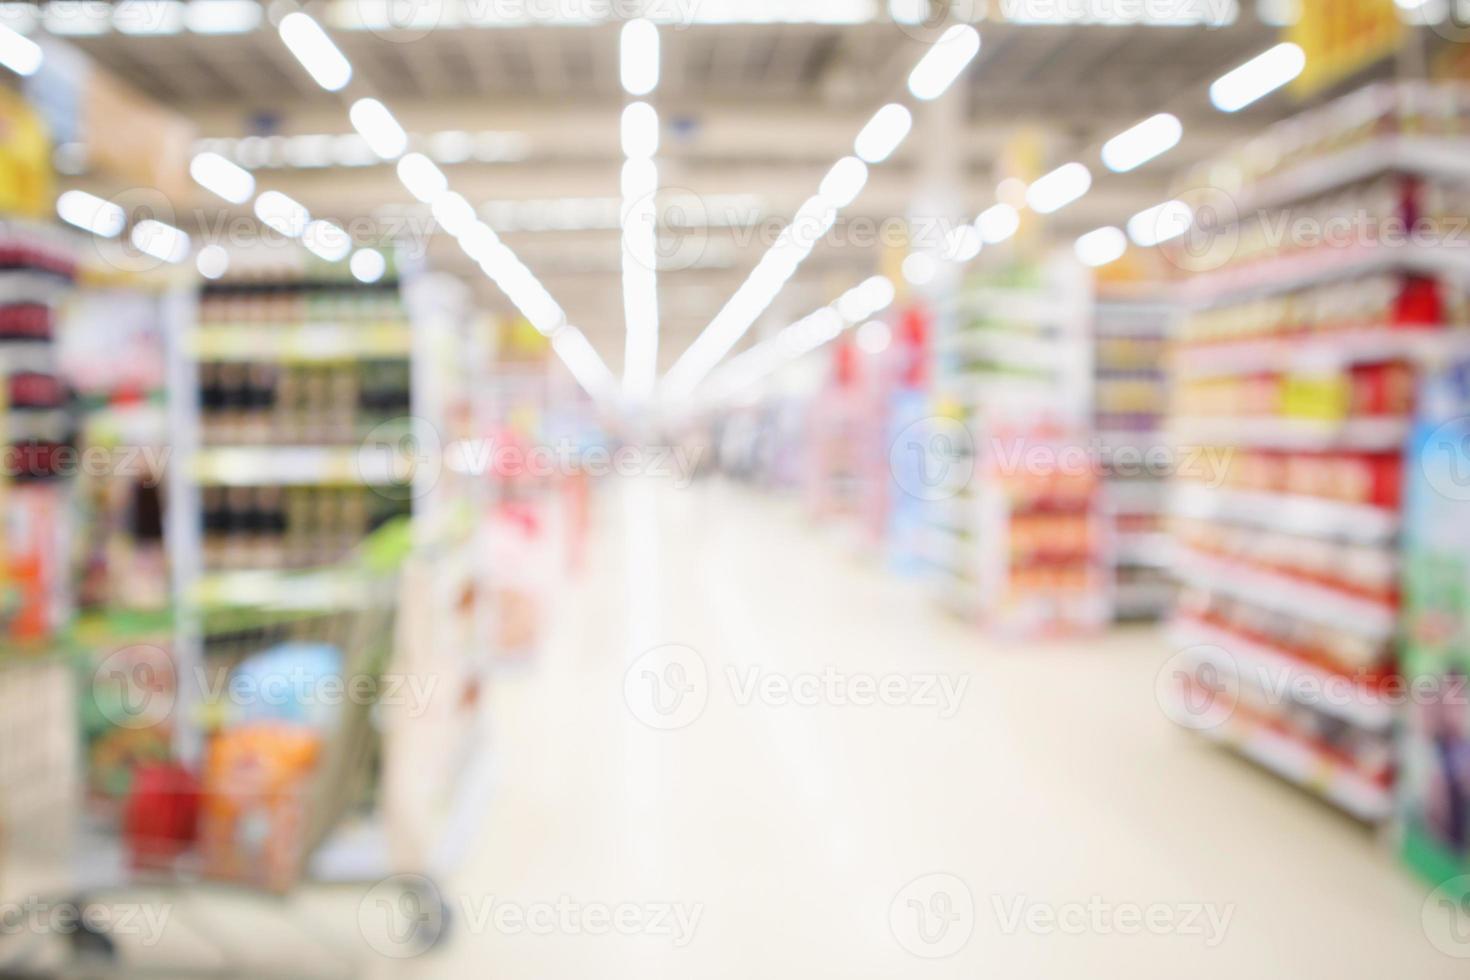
x=638, y=62
x=1048, y=194
x=930, y=78
x=144, y=18
x=309, y=151
x=375, y=123
x=1128, y=150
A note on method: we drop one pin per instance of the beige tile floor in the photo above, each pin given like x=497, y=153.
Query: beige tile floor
x=879, y=841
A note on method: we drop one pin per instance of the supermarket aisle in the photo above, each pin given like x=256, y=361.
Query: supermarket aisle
x=771, y=838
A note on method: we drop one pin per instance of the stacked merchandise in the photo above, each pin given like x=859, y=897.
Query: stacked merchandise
x=303, y=400
x=1016, y=499
x=37, y=267
x=1129, y=401
x=1041, y=535
x=112, y=355
x=1434, y=781
x=1296, y=369
x=292, y=447
x=844, y=423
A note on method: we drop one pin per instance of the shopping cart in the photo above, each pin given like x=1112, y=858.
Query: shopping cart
x=255, y=898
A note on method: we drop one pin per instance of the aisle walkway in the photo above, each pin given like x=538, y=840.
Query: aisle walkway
x=1037, y=817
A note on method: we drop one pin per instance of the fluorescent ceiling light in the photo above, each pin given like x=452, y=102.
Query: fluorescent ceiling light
x=454, y=213
x=1176, y=13
x=767, y=12
x=639, y=57
x=19, y=53
x=309, y=150
x=1160, y=223
x=76, y=18
x=1011, y=191
x=375, y=123
x=212, y=262
x=1139, y=144
x=351, y=150
x=452, y=146
x=423, y=179
x=20, y=17
x=640, y=130
x=148, y=17
x=223, y=177
x=869, y=297
x=938, y=69
x=844, y=182
x=222, y=16
x=276, y=210
x=316, y=52
x=1101, y=246
x=997, y=223
x=327, y=241
x=884, y=133
x=477, y=240
x=874, y=337
x=920, y=269
x=1280, y=13
x=1257, y=78
x=908, y=11
x=164, y=242
x=91, y=213
x=578, y=354
x=367, y=265
x=1059, y=188
x=639, y=179
x=963, y=244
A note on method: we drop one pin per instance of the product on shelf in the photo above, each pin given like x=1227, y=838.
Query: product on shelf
x=290, y=527
x=1300, y=364
x=1130, y=397
x=37, y=268
x=283, y=404
x=1434, y=785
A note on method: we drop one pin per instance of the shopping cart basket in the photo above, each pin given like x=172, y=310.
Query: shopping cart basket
x=245, y=902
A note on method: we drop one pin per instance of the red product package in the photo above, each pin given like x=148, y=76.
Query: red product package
x=1387, y=481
